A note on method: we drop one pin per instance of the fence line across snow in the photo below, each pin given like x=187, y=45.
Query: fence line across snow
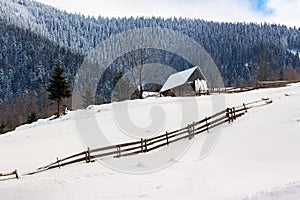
x=145, y=145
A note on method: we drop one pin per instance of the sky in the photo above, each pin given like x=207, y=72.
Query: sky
x=274, y=11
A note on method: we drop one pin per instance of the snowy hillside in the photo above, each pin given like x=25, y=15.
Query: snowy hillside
x=257, y=156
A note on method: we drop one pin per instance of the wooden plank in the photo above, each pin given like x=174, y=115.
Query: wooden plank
x=131, y=154
x=156, y=141
x=8, y=174
x=130, y=149
x=211, y=127
x=158, y=146
x=239, y=115
x=170, y=133
x=73, y=156
x=177, y=134
x=103, y=148
x=211, y=123
x=217, y=114
x=128, y=144
x=178, y=130
x=180, y=138
x=114, y=146
x=156, y=137
x=105, y=154
x=240, y=109
x=202, y=121
x=250, y=103
x=169, y=137
x=67, y=163
x=35, y=172
x=211, y=117
x=61, y=160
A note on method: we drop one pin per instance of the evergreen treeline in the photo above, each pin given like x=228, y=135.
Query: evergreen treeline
x=32, y=35
x=27, y=60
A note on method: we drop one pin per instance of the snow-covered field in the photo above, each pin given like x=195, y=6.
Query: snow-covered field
x=257, y=156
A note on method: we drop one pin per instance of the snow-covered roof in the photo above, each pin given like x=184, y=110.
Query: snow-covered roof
x=178, y=78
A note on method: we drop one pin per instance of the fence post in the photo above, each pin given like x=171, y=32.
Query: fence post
x=206, y=124
x=145, y=143
x=228, y=115
x=88, y=155
x=167, y=137
x=234, y=116
x=119, y=151
x=142, y=149
x=245, y=107
x=16, y=172
x=57, y=160
x=191, y=130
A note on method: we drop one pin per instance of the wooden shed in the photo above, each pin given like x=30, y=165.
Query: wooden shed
x=189, y=82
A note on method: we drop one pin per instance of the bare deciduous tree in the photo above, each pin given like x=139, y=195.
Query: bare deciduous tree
x=291, y=74
x=137, y=61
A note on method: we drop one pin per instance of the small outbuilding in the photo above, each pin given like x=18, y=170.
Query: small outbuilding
x=189, y=82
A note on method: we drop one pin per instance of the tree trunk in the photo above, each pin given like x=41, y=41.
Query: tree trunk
x=141, y=92
x=58, y=104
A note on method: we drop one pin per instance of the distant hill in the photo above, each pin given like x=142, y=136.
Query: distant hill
x=33, y=34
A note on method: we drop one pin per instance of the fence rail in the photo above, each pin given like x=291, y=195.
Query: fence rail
x=257, y=85
x=10, y=175
x=145, y=145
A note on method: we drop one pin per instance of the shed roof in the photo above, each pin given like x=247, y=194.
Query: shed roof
x=179, y=78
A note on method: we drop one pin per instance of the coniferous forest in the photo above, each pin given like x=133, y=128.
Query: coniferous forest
x=33, y=36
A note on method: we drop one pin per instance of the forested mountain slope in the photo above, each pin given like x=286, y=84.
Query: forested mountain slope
x=32, y=35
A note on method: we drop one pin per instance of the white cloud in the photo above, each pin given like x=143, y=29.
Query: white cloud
x=284, y=11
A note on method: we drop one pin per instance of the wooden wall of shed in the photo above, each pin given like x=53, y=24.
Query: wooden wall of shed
x=168, y=93
x=184, y=90
x=187, y=89
x=196, y=75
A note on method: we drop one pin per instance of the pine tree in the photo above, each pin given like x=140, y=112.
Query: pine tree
x=32, y=117
x=59, y=87
x=281, y=75
x=2, y=127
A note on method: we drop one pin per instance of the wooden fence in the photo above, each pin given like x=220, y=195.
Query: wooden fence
x=10, y=175
x=257, y=85
x=145, y=145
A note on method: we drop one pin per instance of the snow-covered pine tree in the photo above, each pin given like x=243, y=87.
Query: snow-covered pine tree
x=58, y=86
